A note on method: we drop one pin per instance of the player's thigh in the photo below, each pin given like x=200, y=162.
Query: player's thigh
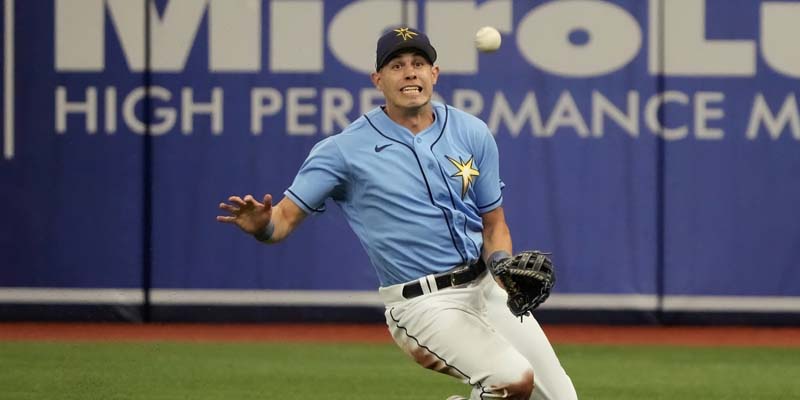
x=456, y=339
x=528, y=338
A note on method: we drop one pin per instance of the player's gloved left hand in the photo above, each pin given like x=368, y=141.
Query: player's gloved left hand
x=527, y=277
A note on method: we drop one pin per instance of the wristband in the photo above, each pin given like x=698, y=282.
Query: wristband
x=265, y=234
x=495, y=257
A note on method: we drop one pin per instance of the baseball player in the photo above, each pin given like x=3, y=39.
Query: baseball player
x=418, y=181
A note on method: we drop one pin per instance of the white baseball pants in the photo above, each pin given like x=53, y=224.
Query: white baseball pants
x=468, y=332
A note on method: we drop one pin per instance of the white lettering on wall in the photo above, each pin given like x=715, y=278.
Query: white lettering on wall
x=296, y=38
x=602, y=107
x=555, y=37
x=614, y=38
x=87, y=107
x=336, y=103
x=190, y=108
x=234, y=34
x=779, y=34
x=263, y=102
x=528, y=111
x=566, y=114
x=686, y=51
x=297, y=106
x=761, y=115
x=165, y=116
x=703, y=112
x=652, y=118
x=306, y=111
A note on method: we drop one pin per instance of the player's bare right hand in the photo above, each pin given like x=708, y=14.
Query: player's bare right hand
x=248, y=214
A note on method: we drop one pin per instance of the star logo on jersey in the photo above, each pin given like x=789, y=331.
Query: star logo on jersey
x=466, y=172
x=405, y=33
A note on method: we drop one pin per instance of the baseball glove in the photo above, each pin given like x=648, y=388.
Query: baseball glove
x=528, y=278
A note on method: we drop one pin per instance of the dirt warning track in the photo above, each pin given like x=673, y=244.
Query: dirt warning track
x=376, y=333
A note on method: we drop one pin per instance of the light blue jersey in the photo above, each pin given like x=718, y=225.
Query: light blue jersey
x=414, y=201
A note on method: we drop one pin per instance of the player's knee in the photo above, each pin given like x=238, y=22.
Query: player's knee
x=519, y=387
x=522, y=388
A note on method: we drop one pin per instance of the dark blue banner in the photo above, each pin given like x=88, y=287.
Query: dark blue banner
x=652, y=146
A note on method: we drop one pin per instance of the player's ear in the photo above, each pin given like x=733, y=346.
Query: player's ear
x=435, y=73
x=376, y=79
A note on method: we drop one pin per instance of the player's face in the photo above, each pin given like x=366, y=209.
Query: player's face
x=407, y=81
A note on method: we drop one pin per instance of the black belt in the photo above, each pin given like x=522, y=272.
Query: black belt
x=456, y=276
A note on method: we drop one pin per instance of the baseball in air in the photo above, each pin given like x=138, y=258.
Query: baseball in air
x=487, y=39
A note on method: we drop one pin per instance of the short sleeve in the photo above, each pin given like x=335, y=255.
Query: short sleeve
x=488, y=186
x=322, y=174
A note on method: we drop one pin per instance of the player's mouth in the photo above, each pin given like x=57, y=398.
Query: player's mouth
x=411, y=90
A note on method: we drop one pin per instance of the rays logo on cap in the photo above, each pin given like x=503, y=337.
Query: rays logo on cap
x=405, y=33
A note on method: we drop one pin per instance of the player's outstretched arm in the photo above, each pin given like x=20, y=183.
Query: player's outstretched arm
x=266, y=223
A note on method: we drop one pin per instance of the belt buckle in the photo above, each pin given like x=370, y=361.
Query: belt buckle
x=456, y=272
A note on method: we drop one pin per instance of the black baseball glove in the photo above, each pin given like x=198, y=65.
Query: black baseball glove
x=527, y=278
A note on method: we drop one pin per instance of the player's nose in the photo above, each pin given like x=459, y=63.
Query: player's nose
x=410, y=72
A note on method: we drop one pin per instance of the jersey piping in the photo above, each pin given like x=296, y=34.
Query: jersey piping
x=319, y=210
x=492, y=203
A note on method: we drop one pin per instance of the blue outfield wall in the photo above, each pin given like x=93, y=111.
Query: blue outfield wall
x=652, y=146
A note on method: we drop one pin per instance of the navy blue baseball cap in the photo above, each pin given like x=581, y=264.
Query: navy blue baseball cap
x=403, y=39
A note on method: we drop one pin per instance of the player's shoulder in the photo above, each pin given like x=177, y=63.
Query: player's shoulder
x=324, y=146
x=356, y=128
x=457, y=113
x=462, y=121
x=348, y=140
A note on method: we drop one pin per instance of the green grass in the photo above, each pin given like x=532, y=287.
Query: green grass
x=669, y=373
x=238, y=371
